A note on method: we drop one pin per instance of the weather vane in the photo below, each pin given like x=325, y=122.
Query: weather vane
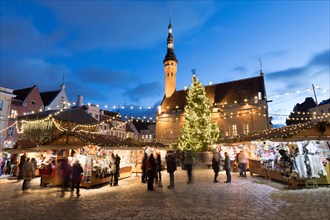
x=193, y=71
x=169, y=14
x=260, y=64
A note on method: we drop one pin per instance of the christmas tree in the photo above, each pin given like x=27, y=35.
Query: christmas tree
x=198, y=131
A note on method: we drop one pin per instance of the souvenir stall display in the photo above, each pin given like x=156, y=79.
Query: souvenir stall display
x=95, y=163
x=292, y=162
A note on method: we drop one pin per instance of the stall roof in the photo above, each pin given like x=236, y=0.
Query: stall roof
x=72, y=138
x=25, y=144
x=297, y=132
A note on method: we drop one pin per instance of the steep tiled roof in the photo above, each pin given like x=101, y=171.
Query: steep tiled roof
x=77, y=115
x=222, y=92
x=48, y=97
x=21, y=94
x=139, y=125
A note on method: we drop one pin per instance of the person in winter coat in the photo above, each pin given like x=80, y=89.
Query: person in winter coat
x=77, y=170
x=117, y=169
x=227, y=168
x=215, y=167
x=112, y=168
x=20, y=166
x=188, y=164
x=171, y=167
x=158, y=176
x=66, y=174
x=151, y=171
x=28, y=172
x=242, y=163
x=144, y=168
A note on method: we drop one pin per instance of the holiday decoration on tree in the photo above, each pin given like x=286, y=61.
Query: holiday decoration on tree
x=198, y=131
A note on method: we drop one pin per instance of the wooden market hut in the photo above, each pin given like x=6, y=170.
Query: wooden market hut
x=316, y=131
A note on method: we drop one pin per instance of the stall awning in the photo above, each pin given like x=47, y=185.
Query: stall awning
x=25, y=144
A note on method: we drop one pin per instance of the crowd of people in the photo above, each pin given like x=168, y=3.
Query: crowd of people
x=151, y=169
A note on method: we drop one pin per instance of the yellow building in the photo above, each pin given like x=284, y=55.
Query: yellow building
x=238, y=107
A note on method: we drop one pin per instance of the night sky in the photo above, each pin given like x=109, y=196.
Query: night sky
x=111, y=52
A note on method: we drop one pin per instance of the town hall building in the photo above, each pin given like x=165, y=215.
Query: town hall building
x=238, y=107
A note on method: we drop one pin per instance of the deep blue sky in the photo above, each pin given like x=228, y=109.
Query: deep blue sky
x=111, y=52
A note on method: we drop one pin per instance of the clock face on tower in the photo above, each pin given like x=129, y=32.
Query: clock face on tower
x=170, y=45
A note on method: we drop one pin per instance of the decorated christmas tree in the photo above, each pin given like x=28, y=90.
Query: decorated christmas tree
x=198, y=131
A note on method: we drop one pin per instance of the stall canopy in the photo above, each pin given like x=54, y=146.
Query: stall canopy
x=298, y=132
x=25, y=144
x=71, y=138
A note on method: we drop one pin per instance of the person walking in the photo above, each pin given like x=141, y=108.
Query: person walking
x=112, y=166
x=28, y=173
x=215, y=166
x=77, y=170
x=188, y=164
x=227, y=168
x=171, y=167
x=117, y=169
x=242, y=163
x=66, y=174
x=151, y=171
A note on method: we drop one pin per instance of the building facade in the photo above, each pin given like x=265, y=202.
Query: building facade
x=26, y=101
x=238, y=107
x=6, y=96
x=57, y=99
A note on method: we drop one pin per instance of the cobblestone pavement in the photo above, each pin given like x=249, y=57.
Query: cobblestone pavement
x=244, y=198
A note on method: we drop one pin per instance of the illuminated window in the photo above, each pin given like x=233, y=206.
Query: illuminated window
x=13, y=113
x=234, y=131
x=246, y=128
x=227, y=131
x=143, y=136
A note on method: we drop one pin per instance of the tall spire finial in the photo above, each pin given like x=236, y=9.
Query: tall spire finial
x=260, y=64
x=63, y=78
x=170, y=15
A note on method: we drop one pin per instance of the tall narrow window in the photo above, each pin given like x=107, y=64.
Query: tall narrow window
x=11, y=131
x=1, y=104
x=234, y=130
x=227, y=131
x=246, y=128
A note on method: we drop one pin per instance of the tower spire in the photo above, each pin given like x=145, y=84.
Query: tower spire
x=170, y=63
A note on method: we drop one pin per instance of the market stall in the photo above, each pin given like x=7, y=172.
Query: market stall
x=296, y=154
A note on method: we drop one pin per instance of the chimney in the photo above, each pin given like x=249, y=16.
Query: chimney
x=80, y=100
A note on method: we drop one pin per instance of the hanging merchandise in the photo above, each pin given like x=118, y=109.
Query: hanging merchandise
x=88, y=169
